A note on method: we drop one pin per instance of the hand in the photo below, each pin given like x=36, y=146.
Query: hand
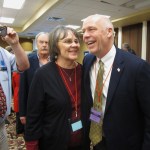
x=23, y=120
x=12, y=37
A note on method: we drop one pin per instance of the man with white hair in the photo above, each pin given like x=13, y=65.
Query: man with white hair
x=116, y=111
x=36, y=59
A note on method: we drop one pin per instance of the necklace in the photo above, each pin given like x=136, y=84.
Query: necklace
x=69, y=75
x=74, y=97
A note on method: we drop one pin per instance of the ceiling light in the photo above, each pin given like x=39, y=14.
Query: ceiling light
x=73, y=26
x=14, y=4
x=6, y=20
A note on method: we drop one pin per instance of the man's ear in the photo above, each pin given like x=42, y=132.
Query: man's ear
x=110, y=32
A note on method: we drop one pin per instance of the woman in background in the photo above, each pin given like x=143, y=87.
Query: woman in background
x=15, y=84
x=53, y=111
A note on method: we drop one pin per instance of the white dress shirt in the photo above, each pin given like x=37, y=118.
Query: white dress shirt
x=108, y=60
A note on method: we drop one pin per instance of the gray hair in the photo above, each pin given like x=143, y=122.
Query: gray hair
x=57, y=34
x=39, y=34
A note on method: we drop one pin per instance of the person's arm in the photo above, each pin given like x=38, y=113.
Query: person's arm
x=13, y=40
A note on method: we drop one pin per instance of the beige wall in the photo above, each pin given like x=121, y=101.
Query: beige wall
x=27, y=44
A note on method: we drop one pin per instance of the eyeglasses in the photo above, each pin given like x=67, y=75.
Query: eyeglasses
x=69, y=41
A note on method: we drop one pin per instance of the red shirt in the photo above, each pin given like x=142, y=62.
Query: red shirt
x=15, y=84
x=69, y=75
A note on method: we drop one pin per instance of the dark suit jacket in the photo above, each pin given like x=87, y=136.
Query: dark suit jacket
x=25, y=82
x=126, y=123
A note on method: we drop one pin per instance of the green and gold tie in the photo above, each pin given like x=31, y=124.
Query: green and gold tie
x=96, y=128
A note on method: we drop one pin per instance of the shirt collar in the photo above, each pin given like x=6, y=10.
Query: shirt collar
x=109, y=57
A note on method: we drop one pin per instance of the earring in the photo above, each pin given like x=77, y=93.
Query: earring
x=55, y=56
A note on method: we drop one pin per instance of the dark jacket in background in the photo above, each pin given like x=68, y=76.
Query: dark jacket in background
x=25, y=82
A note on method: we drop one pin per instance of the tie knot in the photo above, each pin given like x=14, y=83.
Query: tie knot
x=101, y=66
x=100, y=62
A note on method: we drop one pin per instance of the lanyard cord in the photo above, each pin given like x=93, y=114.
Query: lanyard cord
x=99, y=92
x=69, y=90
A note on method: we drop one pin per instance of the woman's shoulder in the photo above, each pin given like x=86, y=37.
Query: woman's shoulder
x=49, y=67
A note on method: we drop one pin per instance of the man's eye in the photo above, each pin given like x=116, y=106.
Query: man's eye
x=41, y=42
x=91, y=29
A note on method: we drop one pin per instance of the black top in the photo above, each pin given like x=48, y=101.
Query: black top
x=49, y=110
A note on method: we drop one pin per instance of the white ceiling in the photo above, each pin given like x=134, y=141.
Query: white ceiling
x=33, y=18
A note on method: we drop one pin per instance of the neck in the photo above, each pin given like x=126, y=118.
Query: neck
x=43, y=56
x=103, y=52
x=67, y=64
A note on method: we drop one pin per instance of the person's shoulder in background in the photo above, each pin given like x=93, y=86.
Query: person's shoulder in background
x=132, y=51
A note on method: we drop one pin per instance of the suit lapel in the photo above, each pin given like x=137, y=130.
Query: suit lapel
x=90, y=61
x=35, y=61
x=117, y=71
x=87, y=66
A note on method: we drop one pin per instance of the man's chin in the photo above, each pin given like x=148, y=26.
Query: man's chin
x=93, y=51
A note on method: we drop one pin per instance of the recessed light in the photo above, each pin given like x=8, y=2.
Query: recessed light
x=6, y=20
x=14, y=4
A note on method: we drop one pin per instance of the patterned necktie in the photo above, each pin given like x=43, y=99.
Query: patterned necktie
x=3, y=106
x=96, y=128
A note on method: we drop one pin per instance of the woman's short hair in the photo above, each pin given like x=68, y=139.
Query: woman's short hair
x=57, y=34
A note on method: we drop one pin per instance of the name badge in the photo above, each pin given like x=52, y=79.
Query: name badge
x=76, y=126
x=2, y=66
x=95, y=115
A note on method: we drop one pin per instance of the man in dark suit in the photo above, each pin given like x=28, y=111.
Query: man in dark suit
x=125, y=91
x=36, y=59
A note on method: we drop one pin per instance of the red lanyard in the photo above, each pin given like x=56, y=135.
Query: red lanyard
x=99, y=92
x=75, y=98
